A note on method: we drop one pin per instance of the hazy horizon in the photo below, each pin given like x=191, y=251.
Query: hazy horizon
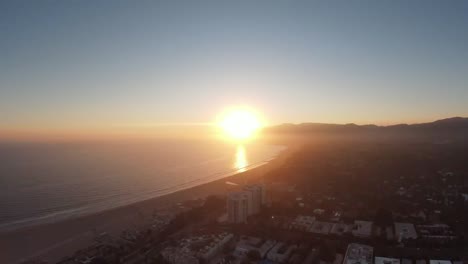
x=101, y=66
x=147, y=131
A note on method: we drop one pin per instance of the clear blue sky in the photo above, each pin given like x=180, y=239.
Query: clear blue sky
x=80, y=63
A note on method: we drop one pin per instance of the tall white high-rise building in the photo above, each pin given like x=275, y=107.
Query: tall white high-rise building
x=250, y=203
x=238, y=207
x=241, y=204
x=257, y=198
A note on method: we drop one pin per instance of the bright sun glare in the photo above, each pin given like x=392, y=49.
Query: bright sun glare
x=240, y=124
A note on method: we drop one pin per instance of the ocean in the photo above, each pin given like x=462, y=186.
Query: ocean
x=49, y=182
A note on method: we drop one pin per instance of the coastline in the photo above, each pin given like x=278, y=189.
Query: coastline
x=63, y=216
x=53, y=241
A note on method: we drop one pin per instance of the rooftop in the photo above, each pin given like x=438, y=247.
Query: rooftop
x=384, y=260
x=362, y=228
x=358, y=253
x=321, y=227
x=405, y=231
x=440, y=261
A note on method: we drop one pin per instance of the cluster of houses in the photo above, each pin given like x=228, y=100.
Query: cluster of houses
x=364, y=254
x=360, y=228
x=225, y=248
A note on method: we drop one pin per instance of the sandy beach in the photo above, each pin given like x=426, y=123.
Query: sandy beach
x=52, y=242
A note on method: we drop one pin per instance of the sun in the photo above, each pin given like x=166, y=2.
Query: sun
x=239, y=124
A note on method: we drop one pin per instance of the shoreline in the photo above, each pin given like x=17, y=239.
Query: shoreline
x=49, y=219
x=54, y=241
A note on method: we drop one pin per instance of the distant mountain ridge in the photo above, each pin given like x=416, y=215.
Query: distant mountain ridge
x=448, y=125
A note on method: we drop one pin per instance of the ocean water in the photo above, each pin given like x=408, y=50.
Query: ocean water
x=47, y=182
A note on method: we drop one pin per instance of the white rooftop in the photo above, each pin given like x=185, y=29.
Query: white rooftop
x=405, y=231
x=432, y=261
x=383, y=260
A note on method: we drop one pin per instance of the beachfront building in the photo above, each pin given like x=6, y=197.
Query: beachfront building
x=243, y=203
x=264, y=194
x=258, y=197
x=238, y=207
x=251, y=206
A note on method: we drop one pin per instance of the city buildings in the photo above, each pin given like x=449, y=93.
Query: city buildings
x=258, y=197
x=432, y=261
x=404, y=231
x=191, y=249
x=406, y=261
x=215, y=246
x=384, y=260
x=280, y=252
x=238, y=207
x=340, y=228
x=177, y=256
x=241, y=204
x=303, y=222
x=247, y=243
x=358, y=253
x=362, y=228
x=321, y=227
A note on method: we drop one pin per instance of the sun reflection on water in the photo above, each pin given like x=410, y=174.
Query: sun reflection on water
x=241, y=162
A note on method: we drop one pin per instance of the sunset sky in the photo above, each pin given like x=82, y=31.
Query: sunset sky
x=103, y=64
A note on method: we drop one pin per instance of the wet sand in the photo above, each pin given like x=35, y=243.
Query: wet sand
x=51, y=242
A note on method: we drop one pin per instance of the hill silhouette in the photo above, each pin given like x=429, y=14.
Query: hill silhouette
x=455, y=127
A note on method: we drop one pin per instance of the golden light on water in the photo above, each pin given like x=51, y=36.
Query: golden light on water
x=241, y=162
x=239, y=124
